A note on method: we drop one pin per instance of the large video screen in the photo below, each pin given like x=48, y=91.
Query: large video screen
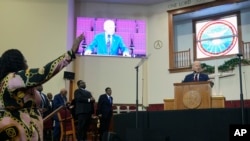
x=112, y=37
x=217, y=37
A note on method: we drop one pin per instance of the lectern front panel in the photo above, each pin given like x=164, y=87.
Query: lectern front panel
x=192, y=95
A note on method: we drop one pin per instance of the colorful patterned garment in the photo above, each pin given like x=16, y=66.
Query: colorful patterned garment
x=20, y=119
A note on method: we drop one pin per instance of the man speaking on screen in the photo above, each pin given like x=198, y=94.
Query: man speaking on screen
x=107, y=43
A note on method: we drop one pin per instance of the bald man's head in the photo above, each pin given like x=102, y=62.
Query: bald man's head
x=109, y=27
x=196, y=66
x=63, y=91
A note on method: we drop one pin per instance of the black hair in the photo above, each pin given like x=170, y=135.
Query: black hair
x=107, y=89
x=11, y=60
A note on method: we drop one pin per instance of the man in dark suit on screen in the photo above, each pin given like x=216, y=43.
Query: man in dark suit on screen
x=84, y=109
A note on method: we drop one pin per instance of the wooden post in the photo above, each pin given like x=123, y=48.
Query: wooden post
x=71, y=90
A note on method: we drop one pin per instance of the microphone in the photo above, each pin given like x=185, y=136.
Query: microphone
x=84, y=44
x=239, y=55
x=131, y=43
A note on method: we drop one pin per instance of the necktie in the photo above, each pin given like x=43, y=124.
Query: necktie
x=65, y=100
x=108, y=44
x=196, y=77
x=43, y=101
x=110, y=100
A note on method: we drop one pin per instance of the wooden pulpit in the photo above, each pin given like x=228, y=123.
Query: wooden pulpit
x=192, y=95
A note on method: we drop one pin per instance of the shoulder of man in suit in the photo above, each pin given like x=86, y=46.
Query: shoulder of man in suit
x=99, y=35
x=104, y=95
x=189, y=75
x=56, y=95
x=203, y=73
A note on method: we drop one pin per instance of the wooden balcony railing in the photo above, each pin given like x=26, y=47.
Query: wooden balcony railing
x=182, y=59
x=246, y=50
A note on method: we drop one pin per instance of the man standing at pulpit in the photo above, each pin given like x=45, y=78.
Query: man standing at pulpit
x=196, y=75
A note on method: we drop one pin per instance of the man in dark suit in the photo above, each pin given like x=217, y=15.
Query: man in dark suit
x=196, y=75
x=59, y=100
x=84, y=109
x=108, y=43
x=45, y=109
x=50, y=98
x=105, y=111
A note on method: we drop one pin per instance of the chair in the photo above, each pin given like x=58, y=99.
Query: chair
x=139, y=43
x=67, y=125
x=115, y=109
x=127, y=26
x=132, y=108
x=124, y=109
x=93, y=130
x=48, y=129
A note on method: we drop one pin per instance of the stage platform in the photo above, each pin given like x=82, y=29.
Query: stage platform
x=179, y=125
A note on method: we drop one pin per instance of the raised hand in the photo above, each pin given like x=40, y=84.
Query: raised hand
x=77, y=42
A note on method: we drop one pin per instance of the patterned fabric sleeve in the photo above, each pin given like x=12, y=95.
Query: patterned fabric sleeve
x=20, y=100
x=35, y=76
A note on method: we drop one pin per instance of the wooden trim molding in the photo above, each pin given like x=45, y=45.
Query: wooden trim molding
x=171, y=35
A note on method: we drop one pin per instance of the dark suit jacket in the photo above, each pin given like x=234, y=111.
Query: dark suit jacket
x=45, y=104
x=190, y=77
x=83, y=106
x=99, y=43
x=58, y=101
x=104, y=106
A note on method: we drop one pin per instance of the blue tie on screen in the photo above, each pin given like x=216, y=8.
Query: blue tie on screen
x=108, y=44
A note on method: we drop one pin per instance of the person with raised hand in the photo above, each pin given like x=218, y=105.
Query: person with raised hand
x=20, y=118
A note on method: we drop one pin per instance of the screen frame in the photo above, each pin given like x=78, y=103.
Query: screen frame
x=217, y=17
x=133, y=35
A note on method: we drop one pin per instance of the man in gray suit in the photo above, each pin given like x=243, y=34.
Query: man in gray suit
x=84, y=110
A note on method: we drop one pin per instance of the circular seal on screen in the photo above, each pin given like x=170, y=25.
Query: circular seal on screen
x=192, y=99
x=217, y=38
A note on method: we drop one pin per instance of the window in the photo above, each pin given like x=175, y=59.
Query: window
x=216, y=37
x=229, y=39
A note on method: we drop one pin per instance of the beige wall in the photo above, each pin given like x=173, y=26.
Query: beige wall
x=160, y=82
x=39, y=29
x=43, y=29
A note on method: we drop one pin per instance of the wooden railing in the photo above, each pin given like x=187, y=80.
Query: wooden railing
x=246, y=50
x=182, y=59
x=124, y=108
